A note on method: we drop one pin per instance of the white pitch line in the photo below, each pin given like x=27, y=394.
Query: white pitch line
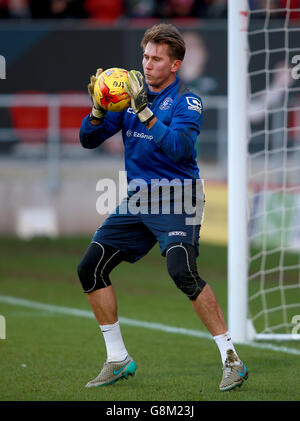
x=21, y=302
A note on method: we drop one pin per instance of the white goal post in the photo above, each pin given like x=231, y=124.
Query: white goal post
x=263, y=172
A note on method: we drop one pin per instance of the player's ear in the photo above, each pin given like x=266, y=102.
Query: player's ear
x=176, y=65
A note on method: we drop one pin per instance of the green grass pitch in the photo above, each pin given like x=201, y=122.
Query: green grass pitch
x=48, y=356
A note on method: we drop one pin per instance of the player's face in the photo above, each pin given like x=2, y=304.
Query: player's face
x=159, y=68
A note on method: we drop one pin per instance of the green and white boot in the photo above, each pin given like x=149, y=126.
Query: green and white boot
x=234, y=372
x=113, y=371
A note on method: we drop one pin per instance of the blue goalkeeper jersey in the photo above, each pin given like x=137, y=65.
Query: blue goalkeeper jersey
x=167, y=150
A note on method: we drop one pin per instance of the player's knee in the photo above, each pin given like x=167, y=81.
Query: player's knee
x=95, y=266
x=189, y=283
x=181, y=264
x=86, y=270
x=82, y=270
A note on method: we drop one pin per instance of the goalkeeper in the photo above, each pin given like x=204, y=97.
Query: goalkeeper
x=159, y=131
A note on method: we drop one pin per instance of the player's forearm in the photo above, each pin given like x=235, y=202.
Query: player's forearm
x=151, y=123
x=96, y=121
x=92, y=135
x=176, y=144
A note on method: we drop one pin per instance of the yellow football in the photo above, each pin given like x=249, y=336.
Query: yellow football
x=110, y=91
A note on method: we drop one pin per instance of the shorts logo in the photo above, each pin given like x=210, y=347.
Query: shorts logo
x=130, y=110
x=194, y=104
x=177, y=233
x=166, y=104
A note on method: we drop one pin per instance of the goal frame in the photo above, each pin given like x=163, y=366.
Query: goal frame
x=237, y=170
x=240, y=327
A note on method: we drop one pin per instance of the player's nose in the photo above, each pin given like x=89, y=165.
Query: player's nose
x=149, y=65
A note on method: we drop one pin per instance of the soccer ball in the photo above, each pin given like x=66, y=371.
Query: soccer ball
x=110, y=91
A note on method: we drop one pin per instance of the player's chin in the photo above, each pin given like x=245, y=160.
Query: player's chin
x=151, y=78
x=152, y=82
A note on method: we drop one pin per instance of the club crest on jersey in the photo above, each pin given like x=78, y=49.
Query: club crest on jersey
x=166, y=104
x=194, y=104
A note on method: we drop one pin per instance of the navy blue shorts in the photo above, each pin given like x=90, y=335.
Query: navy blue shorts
x=136, y=234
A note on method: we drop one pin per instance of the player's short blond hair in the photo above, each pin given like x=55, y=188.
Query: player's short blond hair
x=164, y=33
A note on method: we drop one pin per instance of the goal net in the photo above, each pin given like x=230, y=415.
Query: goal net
x=272, y=119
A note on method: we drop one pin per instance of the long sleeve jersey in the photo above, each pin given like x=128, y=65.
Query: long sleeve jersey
x=167, y=150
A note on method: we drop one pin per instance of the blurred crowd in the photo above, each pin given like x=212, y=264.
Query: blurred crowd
x=112, y=9
x=118, y=9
